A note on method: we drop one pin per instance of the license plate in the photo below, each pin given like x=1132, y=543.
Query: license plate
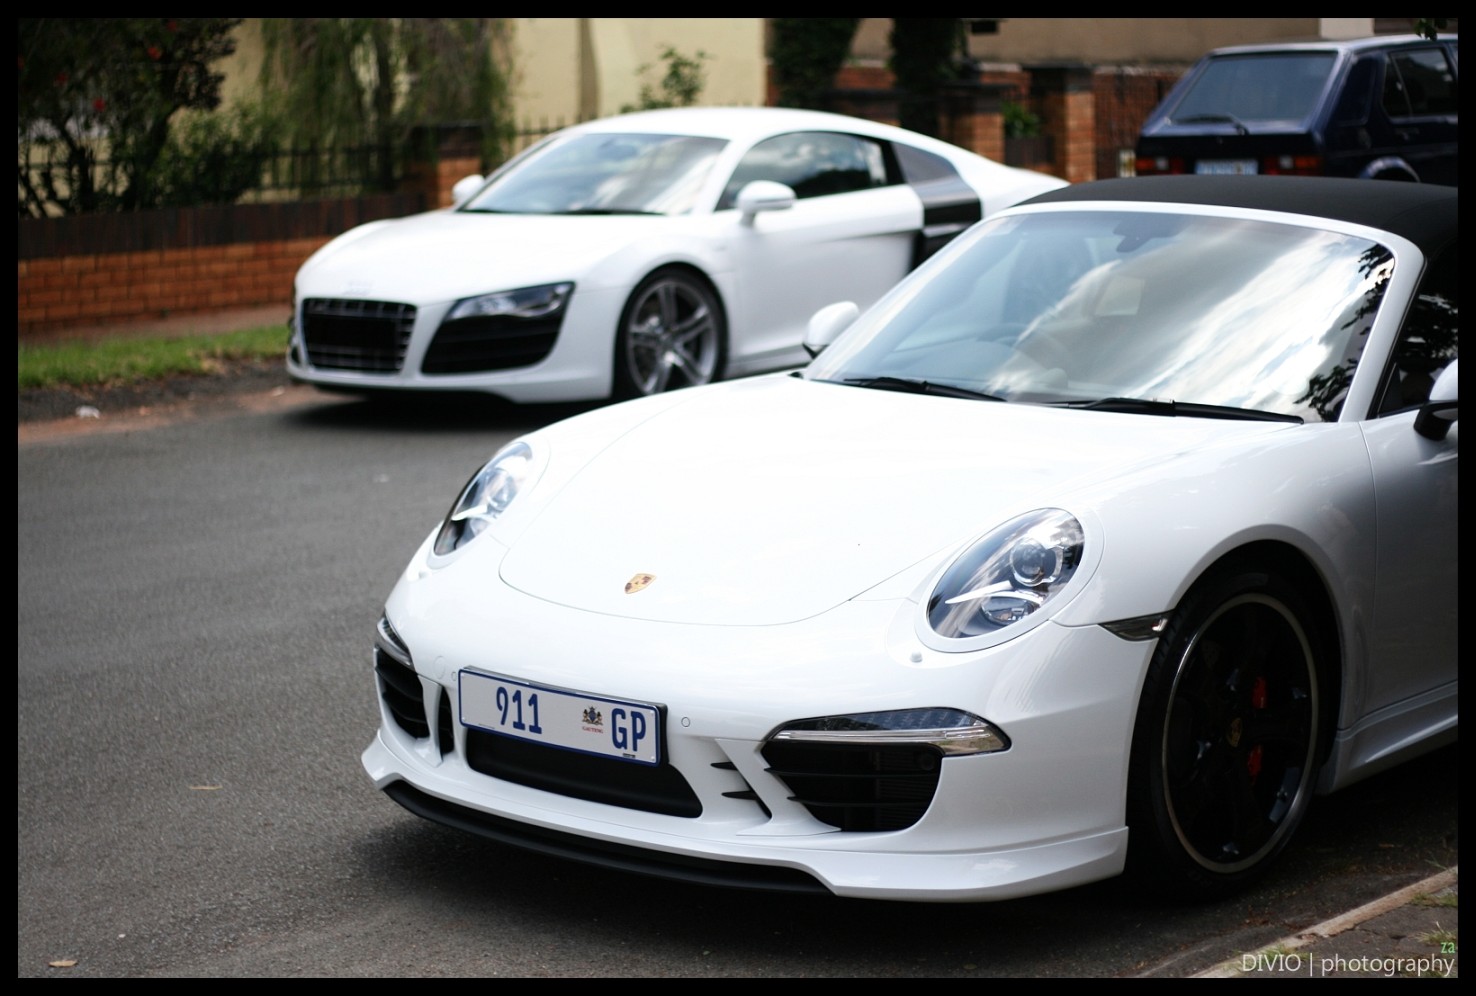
x=1223, y=167
x=590, y=724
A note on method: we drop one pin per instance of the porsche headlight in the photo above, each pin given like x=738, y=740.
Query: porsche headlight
x=486, y=496
x=527, y=302
x=1008, y=575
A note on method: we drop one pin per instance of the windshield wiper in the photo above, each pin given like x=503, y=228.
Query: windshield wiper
x=1148, y=406
x=919, y=387
x=605, y=211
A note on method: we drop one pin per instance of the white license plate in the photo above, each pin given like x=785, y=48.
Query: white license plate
x=1222, y=167
x=590, y=724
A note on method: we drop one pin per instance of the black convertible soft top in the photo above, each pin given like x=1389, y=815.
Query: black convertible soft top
x=1424, y=213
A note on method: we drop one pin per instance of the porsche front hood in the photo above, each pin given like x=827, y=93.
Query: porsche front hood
x=772, y=500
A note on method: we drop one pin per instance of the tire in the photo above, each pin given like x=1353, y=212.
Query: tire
x=672, y=334
x=1226, y=743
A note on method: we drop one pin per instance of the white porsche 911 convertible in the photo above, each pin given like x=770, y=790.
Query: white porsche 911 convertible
x=1108, y=539
x=636, y=254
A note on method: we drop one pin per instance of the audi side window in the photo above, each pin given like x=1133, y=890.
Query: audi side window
x=812, y=164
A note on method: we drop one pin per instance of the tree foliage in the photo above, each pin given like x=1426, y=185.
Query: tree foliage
x=1430, y=27
x=806, y=53
x=368, y=82
x=215, y=158
x=680, y=85
x=107, y=90
x=925, y=56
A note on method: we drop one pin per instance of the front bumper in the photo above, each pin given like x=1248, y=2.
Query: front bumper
x=1046, y=814
x=578, y=366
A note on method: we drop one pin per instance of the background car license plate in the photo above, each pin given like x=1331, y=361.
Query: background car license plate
x=628, y=731
x=1222, y=167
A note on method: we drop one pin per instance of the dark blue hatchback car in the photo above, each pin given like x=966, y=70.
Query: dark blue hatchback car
x=1382, y=108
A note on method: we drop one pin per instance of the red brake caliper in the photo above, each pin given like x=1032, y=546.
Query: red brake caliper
x=1258, y=701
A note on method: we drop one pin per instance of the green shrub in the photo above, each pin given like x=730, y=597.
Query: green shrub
x=680, y=86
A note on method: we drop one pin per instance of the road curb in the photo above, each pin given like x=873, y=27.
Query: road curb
x=1232, y=968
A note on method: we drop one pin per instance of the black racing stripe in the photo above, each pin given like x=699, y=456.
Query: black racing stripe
x=949, y=204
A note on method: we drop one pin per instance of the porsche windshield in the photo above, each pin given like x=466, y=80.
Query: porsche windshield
x=605, y=173
x=1105, y=308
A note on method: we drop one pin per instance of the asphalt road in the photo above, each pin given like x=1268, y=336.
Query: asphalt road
x=196, y=592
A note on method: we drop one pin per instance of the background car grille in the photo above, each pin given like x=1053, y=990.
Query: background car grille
x=652, y=789
x=862, y=787
x=496, y=342
x=365, y=336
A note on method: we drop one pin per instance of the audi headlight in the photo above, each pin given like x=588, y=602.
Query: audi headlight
x=1007, y=576
x=527, y=302
x=486, y=496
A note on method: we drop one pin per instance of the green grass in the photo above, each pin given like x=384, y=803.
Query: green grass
x=1440, y=938
x=1442, y=899
x=112, y=361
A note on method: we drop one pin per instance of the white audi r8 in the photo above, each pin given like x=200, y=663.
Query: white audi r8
x=635, y=254
x=1107, y=539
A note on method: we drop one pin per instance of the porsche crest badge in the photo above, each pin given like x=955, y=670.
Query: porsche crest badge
x=638, y=582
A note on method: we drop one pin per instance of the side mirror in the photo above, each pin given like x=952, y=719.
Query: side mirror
x=763, y=195
x=827, y=323
x=465, y=187
x=1437, y=415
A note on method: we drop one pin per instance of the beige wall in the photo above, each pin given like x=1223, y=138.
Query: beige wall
x=1118, y=40
x=567, y=68
x=577, y=67
x=243, y=69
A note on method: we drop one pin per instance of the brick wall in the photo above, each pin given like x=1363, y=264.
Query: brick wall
x=1124, y=97
x=102, y=288
x=437, y=180
x=150, y=265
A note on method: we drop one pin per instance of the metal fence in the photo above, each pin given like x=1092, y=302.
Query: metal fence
x=44, y=173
